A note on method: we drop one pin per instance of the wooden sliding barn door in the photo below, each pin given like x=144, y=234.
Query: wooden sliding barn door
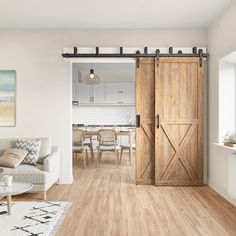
x=145, y=119
x=179, y=122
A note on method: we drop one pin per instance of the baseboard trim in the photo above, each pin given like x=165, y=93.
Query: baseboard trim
x=221, y=191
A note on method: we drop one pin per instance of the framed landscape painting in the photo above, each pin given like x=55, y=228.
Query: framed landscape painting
x=7, y=98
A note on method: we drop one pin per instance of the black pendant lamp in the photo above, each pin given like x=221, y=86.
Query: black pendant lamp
x=91, y=78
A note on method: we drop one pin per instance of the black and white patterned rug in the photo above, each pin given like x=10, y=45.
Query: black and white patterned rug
x=32, y=218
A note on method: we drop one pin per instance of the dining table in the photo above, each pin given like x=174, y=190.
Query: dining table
x=91, y=133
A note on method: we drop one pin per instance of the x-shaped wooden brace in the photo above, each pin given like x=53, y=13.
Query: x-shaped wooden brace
x=179, y=154
x=151, y=138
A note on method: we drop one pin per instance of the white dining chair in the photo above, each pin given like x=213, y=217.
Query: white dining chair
x=107, y=142
x=78, y=145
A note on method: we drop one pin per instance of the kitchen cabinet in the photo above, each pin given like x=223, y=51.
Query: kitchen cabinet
x=75, y=89
x=91, y=94
x=105, y=93
x=84, y=95
x=120, y=93
x=99, y=93
x=120, y=87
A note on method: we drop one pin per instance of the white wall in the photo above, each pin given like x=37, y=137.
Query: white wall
x=43, y=77
x=220, y=174
x=221, y=41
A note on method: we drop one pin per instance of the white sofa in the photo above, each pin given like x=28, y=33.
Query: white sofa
x=42, y=176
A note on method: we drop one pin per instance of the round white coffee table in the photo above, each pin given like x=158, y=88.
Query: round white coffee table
x=15, y=189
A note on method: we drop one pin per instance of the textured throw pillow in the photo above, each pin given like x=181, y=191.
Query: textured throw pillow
x=33, y=148
x=12, y=157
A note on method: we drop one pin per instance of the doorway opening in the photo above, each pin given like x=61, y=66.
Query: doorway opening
x=103, y=99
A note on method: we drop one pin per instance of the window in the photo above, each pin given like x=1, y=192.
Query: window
x=227, y=104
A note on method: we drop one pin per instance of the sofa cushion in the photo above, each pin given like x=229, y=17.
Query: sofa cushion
x=12, y=157
x=28, y=174
x=45, y=149
x=6, y=144
x=33, y=148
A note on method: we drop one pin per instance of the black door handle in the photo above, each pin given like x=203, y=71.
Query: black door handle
x=158, y=121
x=137, y=121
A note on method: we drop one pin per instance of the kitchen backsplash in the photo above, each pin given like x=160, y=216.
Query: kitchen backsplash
x=102, y=115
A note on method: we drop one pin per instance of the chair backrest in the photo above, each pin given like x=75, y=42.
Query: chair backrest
x=78, y=137
x=107, y=137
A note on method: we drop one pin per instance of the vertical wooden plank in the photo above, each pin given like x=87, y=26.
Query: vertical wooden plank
x=160, y=96
x=145, y=100
x=138, y=159
x=200, y=88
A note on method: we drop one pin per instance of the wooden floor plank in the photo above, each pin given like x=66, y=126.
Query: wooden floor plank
x=107, y=202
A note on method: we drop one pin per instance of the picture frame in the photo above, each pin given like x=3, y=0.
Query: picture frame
x=7, y=98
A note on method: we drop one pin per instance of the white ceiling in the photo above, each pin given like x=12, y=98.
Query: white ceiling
x=231, y=58
x=109, y=14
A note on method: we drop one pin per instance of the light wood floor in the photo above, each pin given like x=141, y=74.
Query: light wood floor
x=107, y=202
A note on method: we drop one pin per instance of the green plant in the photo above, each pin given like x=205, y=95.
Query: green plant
x=230, y=138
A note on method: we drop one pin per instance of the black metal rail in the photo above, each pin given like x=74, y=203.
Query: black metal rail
x=195, y=53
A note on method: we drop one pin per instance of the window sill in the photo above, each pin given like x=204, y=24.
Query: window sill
x=221, y=145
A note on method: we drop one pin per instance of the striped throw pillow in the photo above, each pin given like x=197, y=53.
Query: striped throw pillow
x=32, y=146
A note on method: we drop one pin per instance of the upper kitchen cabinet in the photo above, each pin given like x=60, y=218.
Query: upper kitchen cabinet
x=75, y=90
x=120, y=93
x=91, y=94
x=84, y=95
x=98, y=93
x=106, y=93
